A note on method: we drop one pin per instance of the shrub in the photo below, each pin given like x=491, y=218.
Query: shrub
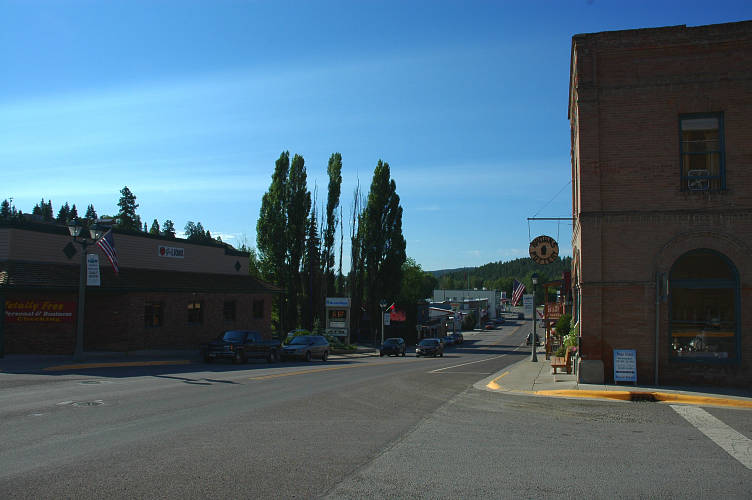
x=564, y=325
x=468, y=322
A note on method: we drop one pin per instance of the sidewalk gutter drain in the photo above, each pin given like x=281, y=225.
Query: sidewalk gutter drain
x=642, y=397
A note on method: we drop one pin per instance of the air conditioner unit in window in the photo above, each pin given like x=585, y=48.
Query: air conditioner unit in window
x=698, y=180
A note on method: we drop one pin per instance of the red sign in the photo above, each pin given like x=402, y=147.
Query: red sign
x=397, y=315
x=39, y=311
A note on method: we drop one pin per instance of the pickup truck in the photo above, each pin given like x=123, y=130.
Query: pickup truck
x=240, y=346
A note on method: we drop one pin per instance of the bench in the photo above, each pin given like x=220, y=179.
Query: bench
x=565, y=362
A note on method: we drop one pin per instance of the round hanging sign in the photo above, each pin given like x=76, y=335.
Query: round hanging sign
x=544, y=250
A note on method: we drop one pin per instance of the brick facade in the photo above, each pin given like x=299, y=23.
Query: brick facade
x=633, y=216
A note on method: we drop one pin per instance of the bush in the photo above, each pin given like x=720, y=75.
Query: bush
x=468, y=322
x=564, y=325
x=561, y=351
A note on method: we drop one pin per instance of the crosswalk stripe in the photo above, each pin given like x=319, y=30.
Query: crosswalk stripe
x=734, y=443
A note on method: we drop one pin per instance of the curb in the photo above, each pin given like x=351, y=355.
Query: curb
x=649, y=396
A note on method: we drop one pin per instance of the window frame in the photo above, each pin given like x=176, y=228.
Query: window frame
x=200, y=309
x=733, y=284
x=149, y=314
x=722, y=152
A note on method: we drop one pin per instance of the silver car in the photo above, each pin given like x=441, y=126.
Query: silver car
x=306, y=347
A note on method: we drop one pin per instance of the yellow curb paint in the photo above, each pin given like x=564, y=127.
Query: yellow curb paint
x=493, y=385
x=123, y=363
x=663, y=397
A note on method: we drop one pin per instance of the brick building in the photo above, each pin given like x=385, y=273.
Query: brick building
x=662, y=202
x=170, y=293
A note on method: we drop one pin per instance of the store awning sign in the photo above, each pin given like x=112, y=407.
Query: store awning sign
x=39, y=311
x=171, y=252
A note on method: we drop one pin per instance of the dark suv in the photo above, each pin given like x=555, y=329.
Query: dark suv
x=240, y=346
x=395, y=345
x=429, y=347
x=307, y=347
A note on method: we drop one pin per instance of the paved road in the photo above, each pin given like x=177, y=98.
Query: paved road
x=368, y=427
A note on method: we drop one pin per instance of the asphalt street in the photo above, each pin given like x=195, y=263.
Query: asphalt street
x=349, y=428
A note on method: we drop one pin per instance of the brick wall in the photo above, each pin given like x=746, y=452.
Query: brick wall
x=628, y=90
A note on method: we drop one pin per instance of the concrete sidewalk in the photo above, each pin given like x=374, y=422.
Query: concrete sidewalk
x=537, y=379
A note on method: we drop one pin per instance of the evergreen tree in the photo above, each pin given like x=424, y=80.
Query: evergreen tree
x=91, y=214
x=154, y=227
x=312, y=303
x=127, y=214
x=48, y=213
x=168, y=227
x=63, y=215
x=5, y=210
x=146, y=229
x=73, y=215
x=383, y=244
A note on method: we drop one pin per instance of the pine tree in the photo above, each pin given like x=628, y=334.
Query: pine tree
x=5, y=210
x=168, y=227
x=127, y=215
x=73, y=215
x=91, y=214
x=312, y=273
x=63, y=215
x=154, y=227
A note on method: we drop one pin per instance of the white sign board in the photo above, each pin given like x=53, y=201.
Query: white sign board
x=387, y=319
x=337, y=302
x=625, y=365
x=171, y=252
x=527, y=305
x=92, y=270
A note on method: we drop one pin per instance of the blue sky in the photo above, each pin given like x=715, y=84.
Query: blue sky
x=190, y=103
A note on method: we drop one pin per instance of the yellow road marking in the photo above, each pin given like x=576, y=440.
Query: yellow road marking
x=493, y=385
x=313, y=370
x=121, y=363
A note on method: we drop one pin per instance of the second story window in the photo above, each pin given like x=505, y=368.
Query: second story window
x=702, y=152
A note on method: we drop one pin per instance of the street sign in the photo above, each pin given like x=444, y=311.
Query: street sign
x=527, y=305
x=92, y=270
x=387, y=318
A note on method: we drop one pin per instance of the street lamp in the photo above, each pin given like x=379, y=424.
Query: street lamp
x=382, y=305
x=76, y=228
x=534, y=359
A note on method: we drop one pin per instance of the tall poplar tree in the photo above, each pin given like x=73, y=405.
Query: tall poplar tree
x=298, y=207
x=334, y=169
x=270, y=228
x=312, y=273
x=383, y=245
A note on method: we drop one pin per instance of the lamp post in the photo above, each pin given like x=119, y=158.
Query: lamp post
x=534, y=359
x=75, y=228
x=382, y=305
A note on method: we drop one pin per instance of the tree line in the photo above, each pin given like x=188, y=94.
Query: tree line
x=297, y=248
x=126, y=219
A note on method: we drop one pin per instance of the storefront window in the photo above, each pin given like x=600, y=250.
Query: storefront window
x=704, y=307
x=194, y=313
x=152, y=314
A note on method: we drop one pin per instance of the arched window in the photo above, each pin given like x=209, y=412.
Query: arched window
x=704, y=307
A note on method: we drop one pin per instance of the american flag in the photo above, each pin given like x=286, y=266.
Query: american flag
x=517, y=290
x=107, y=244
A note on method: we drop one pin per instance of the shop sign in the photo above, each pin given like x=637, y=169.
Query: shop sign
x=92, y=270
x=544, y=250
x=397, y=315
x=337, y=302
x=171, y=252
x=337, y=318
x=387, y=319
x=39, y=311
x=625, y=365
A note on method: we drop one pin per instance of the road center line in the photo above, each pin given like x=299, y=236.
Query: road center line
x=464, y=364
x=734, y=443
x=314, y=370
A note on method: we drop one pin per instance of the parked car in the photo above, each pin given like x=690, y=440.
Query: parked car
x=429, y=347
x=448, y=340
x=395, y=345
x=458, y=337
x=240, y=346
x=306, y=347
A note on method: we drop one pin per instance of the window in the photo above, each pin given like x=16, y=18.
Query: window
x=194, y=313
x=152, y=314
x=702, y=152
x=258, y=309
x=228, y=312
x=704, y=308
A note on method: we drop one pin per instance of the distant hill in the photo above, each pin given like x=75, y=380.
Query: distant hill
x=501, y=275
